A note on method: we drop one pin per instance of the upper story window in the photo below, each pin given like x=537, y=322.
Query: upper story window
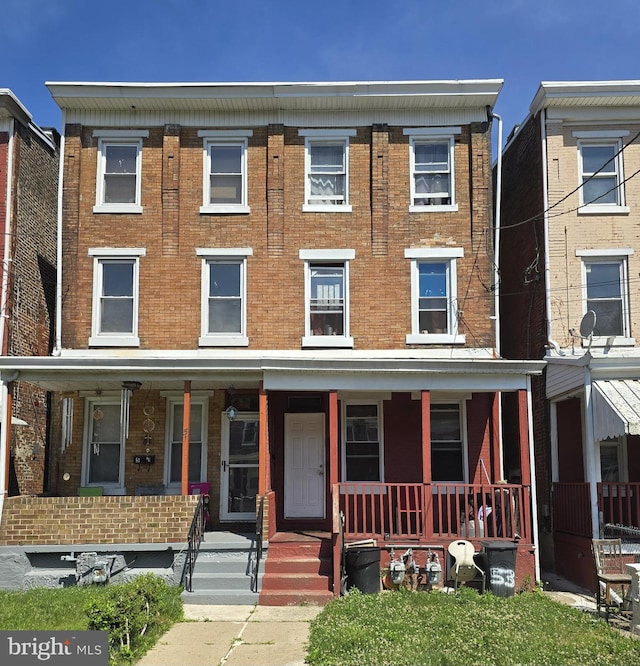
x=447, y=445
x=327, y=170
x=362, y=448
x=606, y=292
x=114, y=320
x=225, y=171
x=434, y=312
x=118, y=187
x=601, y=174
x=432, y=168
x=326, y=275
x=224, y=296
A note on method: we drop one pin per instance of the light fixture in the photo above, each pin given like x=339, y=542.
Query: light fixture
x=231, y=412
x=131, y=386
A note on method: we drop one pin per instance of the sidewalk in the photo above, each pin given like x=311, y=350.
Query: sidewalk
x=235, y=636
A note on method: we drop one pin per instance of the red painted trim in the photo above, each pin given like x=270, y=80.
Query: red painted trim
x=333, y=438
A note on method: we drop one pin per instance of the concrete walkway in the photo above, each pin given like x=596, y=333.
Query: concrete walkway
x=235, y=636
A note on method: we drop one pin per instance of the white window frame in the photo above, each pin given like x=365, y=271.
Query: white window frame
x=100, y=256
x=620, y=444
x=319, y=257
x=343, y=454
x=229, y=255
x=421, y=135
x=620, y=256
x=174, y=400
x=462, y=413
x=435, y=255
x=318, y=137
x=117, y=488
x=212, y=138
x=613, y=138
x=122, y=138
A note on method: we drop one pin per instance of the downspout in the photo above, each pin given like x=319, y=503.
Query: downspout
x=545, y=208
x=534, y=488
x=5, y=429
x=589, y=447
x=57, y=347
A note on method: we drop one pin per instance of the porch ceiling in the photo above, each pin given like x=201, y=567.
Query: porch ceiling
x=616, y=405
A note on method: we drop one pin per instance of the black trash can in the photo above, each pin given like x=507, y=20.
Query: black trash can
x=501, y=567
x=363, y=569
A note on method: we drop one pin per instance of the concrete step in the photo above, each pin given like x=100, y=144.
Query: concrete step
x=301, y=565
x=220, y=597
x=295, y=598
x=220, y=581
x=295, y=582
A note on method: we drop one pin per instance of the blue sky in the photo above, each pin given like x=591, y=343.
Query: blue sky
x=521, y=41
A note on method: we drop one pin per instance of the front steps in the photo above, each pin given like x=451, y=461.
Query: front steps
x=298, y=570
x=222, y=572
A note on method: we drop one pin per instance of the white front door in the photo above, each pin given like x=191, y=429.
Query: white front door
x=304, y=456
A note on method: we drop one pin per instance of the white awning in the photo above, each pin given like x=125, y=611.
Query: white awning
x=616, y=407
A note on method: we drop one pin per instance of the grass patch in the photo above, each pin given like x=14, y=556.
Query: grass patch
x=465, y=629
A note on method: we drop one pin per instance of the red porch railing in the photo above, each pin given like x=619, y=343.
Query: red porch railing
x=619, y=503
x=400, y=511
x=572, y=509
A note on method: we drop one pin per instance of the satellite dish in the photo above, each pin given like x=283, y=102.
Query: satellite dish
x=588, y=324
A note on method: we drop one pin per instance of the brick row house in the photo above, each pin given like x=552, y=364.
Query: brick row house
x=283, y=296
x=28, y=213
x=569, y=265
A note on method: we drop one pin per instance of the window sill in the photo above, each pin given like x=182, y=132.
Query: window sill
x=325, y=208
x=117, y=208
x=435, y=339
x=453, y=208
x=610, y=341
x=223, y=341
x=114, y=341
x=603, y=209
x=333, y=341
x=228, y=209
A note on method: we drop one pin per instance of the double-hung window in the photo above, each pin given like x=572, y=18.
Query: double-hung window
x=225, y=171
x=447, y=445
x=434, y=312
x=432, y=168
x=362, y=458
x=327, y=170
x=118, y=186
x=114, y=321
x=224, y=296
x=606, y=292
x=601, y=171
x=326, y=274
x=197, y=441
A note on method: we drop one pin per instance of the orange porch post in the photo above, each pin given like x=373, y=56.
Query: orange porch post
x=186, y=436
x=426, y=460
x=264, y=473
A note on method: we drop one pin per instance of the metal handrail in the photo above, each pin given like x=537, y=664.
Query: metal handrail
x=258, y=556
x=196, y=534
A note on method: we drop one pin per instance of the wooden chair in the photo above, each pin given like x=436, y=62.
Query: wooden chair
x=610, y=574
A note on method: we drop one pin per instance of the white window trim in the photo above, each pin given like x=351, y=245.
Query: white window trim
x=621, y=255
x=329, y=256
x=462, y=404
x=343, y=441
x=98, y=339
x=125, y=137
x=207, y=339
x=591, y=138
x=432, y=133
x=89, y=406
x=220, y=137
x=315, y=135
x=175, y=488
x=434, y=254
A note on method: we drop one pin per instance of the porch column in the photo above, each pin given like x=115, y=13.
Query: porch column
x=333, y=438
x=425, y=400
x=496, y=449
x=186, y=425
x=523, y=436
x=264, y=471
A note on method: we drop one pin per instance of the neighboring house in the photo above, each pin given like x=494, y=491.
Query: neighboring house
x=28, y=214
x=283, y=295
x=569, y=261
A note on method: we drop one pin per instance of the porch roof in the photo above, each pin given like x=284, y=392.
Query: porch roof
x=403, y=370
x=616, y=404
